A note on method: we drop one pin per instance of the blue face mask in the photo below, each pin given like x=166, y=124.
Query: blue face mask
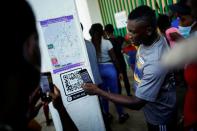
x=185, y=31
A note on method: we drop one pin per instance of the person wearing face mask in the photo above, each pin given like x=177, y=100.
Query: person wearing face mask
x=183, y=11
x=187, y=21
x=184, y=55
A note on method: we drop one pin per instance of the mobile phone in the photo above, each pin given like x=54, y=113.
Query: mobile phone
x=85, y=76
x=46, y=85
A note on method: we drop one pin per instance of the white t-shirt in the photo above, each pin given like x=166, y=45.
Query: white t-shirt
x=104, y=57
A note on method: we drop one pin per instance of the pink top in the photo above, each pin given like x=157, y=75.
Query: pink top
x=168, y=32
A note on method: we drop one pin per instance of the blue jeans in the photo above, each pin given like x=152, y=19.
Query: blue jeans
x=110, y=83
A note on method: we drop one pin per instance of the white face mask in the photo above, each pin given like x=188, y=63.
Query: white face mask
x=185, y=31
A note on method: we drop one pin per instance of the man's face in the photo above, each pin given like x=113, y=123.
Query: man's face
x=137, y=31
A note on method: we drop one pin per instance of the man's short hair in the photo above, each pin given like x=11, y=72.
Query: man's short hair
x=109, y=28
x=163, y=22
x=144, y=14
x=181, y=8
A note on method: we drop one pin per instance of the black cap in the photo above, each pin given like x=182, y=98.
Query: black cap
x=181, y=8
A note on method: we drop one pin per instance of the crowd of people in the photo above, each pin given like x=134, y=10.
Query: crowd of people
x=154, y=49
x=156, y=84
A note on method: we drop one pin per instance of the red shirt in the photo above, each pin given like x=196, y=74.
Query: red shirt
x=190, y=106
x=129, y=48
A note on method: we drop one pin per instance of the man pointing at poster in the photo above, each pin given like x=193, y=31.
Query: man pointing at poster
x=154, y=87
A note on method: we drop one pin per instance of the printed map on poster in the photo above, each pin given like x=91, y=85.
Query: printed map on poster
x=63, y=43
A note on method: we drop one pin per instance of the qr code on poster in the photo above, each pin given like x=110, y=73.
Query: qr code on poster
x=71, y=82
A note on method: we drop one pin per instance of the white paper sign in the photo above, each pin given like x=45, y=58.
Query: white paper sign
x=121, y=19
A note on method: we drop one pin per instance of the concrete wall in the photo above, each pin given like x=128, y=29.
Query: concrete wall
x=89, y=13
x=94, y=9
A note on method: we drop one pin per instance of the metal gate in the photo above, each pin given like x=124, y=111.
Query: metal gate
x=110, y=7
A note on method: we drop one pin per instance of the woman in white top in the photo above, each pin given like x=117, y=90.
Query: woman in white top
x=106, y=59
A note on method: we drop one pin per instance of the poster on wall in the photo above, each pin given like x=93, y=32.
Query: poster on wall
x=64, y=54
x=63, y=44
x=121, y=19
